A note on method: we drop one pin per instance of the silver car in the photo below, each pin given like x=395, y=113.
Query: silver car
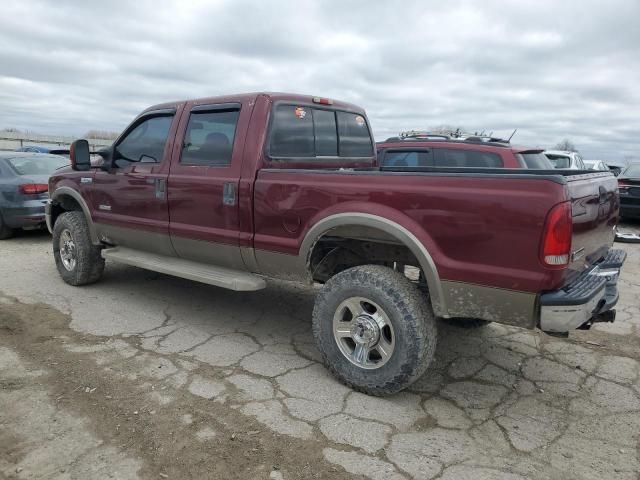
x=24, y=189
x=565, y=160
x=596, y=165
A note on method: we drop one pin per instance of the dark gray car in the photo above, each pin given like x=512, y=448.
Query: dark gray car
x=629, y=188
x=24, y=189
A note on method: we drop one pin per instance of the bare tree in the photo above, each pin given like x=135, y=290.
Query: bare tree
x=566, y=145
x=101, y=135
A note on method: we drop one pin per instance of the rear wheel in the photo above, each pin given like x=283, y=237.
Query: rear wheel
x=78, y=260
x=376, y=331
x=5, y=232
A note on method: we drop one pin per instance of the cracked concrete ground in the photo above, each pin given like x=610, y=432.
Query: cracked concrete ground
x=148, y=376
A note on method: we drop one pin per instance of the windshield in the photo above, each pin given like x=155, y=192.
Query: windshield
x=632, y=171
x=559, y=161
x=535, y=160
x=37, y=164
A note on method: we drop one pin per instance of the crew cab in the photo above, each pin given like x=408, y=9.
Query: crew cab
x=234, y=190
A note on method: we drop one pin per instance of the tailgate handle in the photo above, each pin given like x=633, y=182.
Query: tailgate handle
x=604, y=195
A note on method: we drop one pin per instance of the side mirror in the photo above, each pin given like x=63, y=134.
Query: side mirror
x=79, y=155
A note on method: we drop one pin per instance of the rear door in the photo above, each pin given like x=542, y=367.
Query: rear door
x=203, y=184
x=595, y=205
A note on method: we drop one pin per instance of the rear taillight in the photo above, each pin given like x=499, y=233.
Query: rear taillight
x=556, y=238
x=622, y=185
x=34, y=188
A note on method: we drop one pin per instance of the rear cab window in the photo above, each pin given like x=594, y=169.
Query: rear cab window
x=559, y=161
x=534, y=160
x=302, y=132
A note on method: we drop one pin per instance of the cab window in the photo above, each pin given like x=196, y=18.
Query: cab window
x=209, y=138
x=145, y=143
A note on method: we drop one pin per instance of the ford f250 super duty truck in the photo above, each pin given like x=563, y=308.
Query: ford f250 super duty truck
x=232, y=190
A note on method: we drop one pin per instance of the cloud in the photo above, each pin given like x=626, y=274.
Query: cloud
x=551, y=69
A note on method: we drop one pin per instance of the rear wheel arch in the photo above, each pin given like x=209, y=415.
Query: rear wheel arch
x=368, y=227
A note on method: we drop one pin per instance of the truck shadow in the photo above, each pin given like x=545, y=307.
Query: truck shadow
x=279, y=318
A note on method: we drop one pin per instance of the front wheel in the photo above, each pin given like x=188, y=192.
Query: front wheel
x=376, y=331
x=79, y=261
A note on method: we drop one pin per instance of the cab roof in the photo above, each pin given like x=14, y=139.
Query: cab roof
x=251, y=97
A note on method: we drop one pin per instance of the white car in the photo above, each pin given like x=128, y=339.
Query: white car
x=565, y=160
x=598, y=165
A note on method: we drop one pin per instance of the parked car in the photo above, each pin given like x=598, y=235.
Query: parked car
x=24, y=189
x=232, y=190
x=565, y=160
x=39, y=149
x=629, y=187
x=33, y=149
x=416, y=151
x=598, y=165
x=616, y=166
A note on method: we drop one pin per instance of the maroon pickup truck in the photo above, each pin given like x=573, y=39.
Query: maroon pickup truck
x=232, y=190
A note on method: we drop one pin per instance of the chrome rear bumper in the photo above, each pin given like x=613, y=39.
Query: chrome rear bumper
x=584, y=300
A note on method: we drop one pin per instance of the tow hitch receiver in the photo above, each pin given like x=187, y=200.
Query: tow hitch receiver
x=608, y=316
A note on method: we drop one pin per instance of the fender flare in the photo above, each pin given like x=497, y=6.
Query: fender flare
x=63, y=191
x=392, y=228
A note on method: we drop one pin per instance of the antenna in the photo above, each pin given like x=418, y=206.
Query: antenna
x=514, y=132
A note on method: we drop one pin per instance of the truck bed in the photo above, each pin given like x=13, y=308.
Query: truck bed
x=483, y=226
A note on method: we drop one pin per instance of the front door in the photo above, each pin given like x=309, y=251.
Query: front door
x=130, y=201
x=203, y=186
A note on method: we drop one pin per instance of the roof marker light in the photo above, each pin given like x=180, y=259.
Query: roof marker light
x=322, y=101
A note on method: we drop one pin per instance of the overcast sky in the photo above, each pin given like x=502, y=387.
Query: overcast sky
x=552, y=69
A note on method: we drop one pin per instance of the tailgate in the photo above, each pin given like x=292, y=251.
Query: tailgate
x=595, y=205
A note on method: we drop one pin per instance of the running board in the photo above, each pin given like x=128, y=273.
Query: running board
x=212, y=275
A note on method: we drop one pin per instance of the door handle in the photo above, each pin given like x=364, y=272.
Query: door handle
x=229, y=194
x=161, y=188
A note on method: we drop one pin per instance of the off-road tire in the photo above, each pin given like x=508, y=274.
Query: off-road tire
x=410, y=313
x=89, y=263
x=466, y=323
x=5, y=232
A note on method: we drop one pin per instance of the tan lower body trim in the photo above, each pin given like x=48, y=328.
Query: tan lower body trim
x=500, y=305
x=282, y=266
